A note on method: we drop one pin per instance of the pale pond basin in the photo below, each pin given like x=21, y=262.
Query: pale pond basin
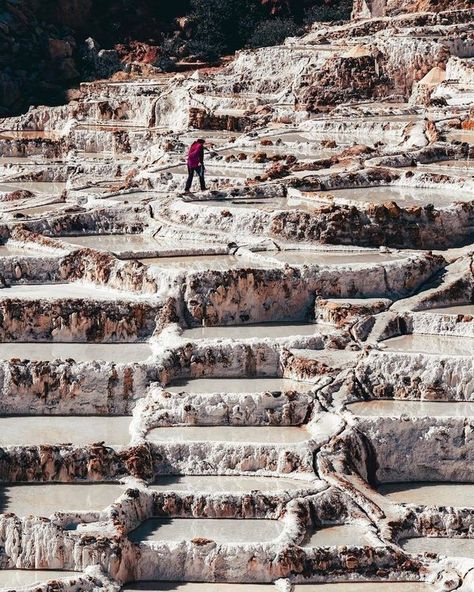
x=452, y=547
x=12, y=578
x=223, y=530
x=238, y=385
x=457, y=495
x=451, y=345
x=228, y=484
x=230, y=434
x=45, y=499
x=397, y=408
x=79, y=430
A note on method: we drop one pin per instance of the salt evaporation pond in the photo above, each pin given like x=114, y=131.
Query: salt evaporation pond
x=201, y=262
x=238, y=385
x=451, y=345
x=198, y=587
x=396, y=408
x=126, y=353
x=228, y=484
x=29, y=134
x=61, y=429
x=8, y=251
x=57, y=291
x=463, y=309
x=334, y=258
x=403, y=196
x=457, y=495
x=45, y=499
x=365, y=587
x=452, y=547
x=14, y=578
x=114, y=242
x=339, y=535
x=260, y=330
x=220, y=172
x=34, y=186
x=220, y=530
x=229, y=434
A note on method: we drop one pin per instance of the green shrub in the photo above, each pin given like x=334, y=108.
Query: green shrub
x=272, y=32
x=326, y=11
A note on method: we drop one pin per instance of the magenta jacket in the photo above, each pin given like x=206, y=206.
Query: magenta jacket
x=195, y=155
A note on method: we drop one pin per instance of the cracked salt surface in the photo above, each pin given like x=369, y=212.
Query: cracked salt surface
x=127, y=353
x=459, y=495
x=230, y=484
x=450, y=345
x=264, y=330
x=11, y=578
x=238, y=385
x=61, y=429
x=452, y=547
x=45, y=499
x=397, y=408
x=248, y=434
x=220, y=530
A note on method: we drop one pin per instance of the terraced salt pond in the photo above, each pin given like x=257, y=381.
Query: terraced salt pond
x=219, y=172
x=136, y=245
x=261, y=330
x=34, y=186
x=238, y=385
x=221, y=530
x=230, y=434
x=464, y=309
x=44, y=500
x=228, y=484
x=452, y=547
x=127, y=353
x=29, y=135
x=335, y=258
x=365, y=587
x=61, y=429
x=198, y=587
x=457, y=495
x=12, y=578
x=114, y=242
x=9, y=251
x=338, y=535
x=397, y=408
x=403, y=196
x=339, y=587
x=201, y=262
x=56, y=291
x=451, y=345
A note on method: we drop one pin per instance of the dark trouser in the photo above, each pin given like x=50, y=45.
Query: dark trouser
x=200, y=171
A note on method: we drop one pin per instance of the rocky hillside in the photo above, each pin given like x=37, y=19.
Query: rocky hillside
x=47, y=46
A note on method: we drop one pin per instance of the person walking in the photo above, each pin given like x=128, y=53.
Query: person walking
x=195, y=162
